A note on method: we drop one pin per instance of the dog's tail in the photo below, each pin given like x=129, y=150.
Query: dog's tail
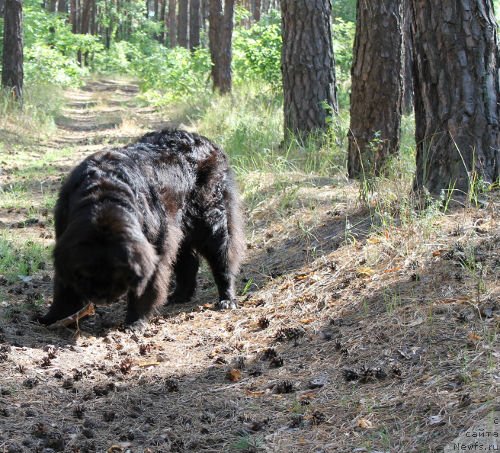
x=235, y=225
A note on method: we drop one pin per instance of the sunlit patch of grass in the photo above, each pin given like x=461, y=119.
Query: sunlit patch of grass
x=41, y=103
x=249, y=126
x=21, y=259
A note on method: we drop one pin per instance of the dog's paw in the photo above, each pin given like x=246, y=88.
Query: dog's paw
x=137, y=327
x=226, y=304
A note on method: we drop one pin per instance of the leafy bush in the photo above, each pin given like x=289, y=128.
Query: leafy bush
x=45, y=64
x=257, y=51
x=177, y=73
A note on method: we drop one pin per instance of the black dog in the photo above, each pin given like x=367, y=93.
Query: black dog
x=126, y=219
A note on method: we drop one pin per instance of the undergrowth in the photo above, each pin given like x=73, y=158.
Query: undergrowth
x=21, y=260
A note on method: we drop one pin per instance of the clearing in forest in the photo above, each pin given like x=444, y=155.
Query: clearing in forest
x=362, y=326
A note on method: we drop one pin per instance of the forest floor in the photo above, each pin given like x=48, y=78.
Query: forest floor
x=358, y=330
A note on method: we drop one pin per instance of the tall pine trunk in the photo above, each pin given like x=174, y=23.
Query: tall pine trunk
x=182, y=23
x=308, y=66
x=172, y=23
x=457, y=98
x=194, y=24
x=12, y=63
x=220, y=34
x=377, y=87
x=62, y=6
x=408, y=59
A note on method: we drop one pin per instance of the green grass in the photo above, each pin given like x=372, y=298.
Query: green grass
x=41, y=104
x=21, y=259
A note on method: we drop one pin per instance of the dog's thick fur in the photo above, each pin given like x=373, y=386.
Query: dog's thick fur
x=135, y=221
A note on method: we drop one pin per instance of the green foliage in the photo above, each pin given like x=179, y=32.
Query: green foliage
x=177, y=73
x=44, y=64
x=345, y=10
x=257, y=51
x=343, y=41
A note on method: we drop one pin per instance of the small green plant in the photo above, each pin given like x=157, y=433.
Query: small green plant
x=247, y=287
x=248, y=444
x=392, y=300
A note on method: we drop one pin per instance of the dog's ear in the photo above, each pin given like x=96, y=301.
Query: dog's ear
x=142, y=261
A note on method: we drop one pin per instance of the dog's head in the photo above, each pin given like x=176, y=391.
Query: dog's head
x=104, y=257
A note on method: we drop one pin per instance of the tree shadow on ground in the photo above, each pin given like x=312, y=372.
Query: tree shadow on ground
x=216, y=388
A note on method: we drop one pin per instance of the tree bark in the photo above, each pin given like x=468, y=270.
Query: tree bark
x=182, y=24
x=74, y=16
x=457, y=99
x=308, y=66
x=204, y=13
x=85, y=21
x=220, y=33
x=194, y=24
x=256, y=10
x=12, y=61
x=408, y=59
x=377, y=87
x=172, y=23
x=62, y=6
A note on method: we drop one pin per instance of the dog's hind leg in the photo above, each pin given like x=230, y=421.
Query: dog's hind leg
x=216, y=252
x=185, y=271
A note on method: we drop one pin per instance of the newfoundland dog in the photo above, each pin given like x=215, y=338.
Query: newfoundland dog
x=136, y=220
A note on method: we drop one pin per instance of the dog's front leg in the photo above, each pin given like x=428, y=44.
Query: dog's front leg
x=140, y=306
x=66, y=303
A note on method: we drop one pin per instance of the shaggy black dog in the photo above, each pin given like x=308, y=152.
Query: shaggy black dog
x=127, y=219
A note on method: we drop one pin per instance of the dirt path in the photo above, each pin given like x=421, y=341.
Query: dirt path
x=352, y=335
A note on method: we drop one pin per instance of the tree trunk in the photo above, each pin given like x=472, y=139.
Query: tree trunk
x=220, y=33
x=204, y=13
x=12, y=64
x=52, y=6
x=256, y=10
x=85, y=21
x=457, y=99
x=2, y=7
x=182, y=23
x=172, y=23
x=74, y=17
x=62, y=6
x=163, y=7
x=194, y=24
x=307, y=66
x=93, y=19
x=377, y=87
x=408, y=59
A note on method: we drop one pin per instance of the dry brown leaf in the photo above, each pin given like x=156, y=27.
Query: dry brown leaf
x=306, y=321
x=364, y=423
x=308, y=395
x=365, y=271
x=148, y=363
x=115, y=449
x=473, y=336
x=234, y=375
x=394, y=269
x=255, y=394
